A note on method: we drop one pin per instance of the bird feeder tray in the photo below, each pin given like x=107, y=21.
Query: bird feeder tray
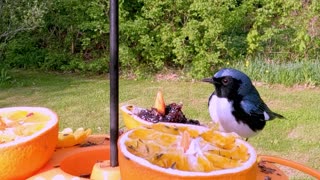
x=81, y=162
x=89, y=160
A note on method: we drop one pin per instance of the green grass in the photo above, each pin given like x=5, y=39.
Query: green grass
x=84, y=102
x=286, y=73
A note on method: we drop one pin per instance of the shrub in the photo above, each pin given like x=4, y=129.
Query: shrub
x=5, y=78
x=193, y=35
x=24, y=52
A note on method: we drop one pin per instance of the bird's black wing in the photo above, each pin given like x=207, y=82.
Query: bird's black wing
x=254, y=106
x=249, y=113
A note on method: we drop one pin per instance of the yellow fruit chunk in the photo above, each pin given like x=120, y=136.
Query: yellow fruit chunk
x=27, y=116
x=103, y=170
x=6, y=138
x=222, y=140
x=185, y=141
x=36, y=117
x=28, y=129
x=68, y=138
x=18, y=115
x=3, y=125
x=22, y=123
x=174, y=129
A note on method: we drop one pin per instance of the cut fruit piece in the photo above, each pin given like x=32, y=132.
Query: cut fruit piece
x=103, y=170
x=25, y=116
x=18, y=115
x=159, y=103
x=179, y=151
x=27, y=143
x=28, y=129
x=68, y=138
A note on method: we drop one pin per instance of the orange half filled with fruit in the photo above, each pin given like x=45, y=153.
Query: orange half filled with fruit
x=180, y=151
x=130, y=116
x=134, y=116
x=28, y=136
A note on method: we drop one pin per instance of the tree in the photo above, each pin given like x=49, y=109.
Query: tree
x=20, y=15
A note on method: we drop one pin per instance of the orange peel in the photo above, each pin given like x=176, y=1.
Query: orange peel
x=68, y=138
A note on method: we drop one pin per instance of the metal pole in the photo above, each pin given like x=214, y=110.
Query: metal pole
x=114, y=82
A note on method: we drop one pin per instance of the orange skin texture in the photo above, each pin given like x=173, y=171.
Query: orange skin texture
x=130, y=170
x=28, y=157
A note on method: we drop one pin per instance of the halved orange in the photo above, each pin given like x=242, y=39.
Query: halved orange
x=28, y=137
x=179, y=151
x=130, y=118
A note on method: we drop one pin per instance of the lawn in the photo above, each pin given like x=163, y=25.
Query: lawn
x=82, y=101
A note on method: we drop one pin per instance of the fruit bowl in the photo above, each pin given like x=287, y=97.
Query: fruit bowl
x=179, y=151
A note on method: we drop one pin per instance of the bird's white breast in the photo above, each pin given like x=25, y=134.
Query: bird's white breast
x=220, y=110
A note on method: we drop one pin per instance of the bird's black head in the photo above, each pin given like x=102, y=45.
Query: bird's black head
x=230, y=83
x=225, y=86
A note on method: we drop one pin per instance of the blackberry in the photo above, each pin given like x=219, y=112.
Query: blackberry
x=173, y=114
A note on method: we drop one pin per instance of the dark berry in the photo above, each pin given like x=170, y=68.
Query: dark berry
x=173, y=113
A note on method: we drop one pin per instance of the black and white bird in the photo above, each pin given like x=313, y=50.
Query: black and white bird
x=236, y=104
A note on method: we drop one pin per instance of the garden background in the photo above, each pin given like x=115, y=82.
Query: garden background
x=56, y=54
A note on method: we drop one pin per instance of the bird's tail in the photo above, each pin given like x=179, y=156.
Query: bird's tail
x=276, y=115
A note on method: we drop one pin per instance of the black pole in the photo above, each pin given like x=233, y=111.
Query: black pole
x=114, y=82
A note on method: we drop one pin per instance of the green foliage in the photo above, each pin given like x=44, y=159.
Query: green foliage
x=194, y=36
x=70, y=31
x=80, y=26
x=286, y=30
x=99, y=66
x=24, y=52
x=5, y=78
x=19, y=16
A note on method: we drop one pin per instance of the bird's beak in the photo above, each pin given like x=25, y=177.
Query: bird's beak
x=208, y=80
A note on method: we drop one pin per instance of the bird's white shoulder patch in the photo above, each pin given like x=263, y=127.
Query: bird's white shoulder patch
x=266, y=116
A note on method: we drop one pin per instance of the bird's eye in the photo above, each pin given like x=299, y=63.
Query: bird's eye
x=225, y=81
